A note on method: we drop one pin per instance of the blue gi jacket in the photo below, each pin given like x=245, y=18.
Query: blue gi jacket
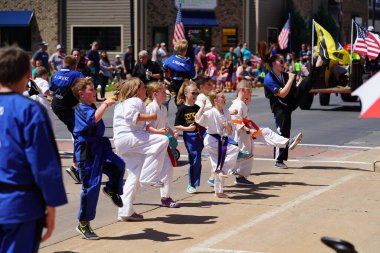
x=29, y=157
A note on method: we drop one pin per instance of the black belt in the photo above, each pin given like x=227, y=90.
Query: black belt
x=17, y=187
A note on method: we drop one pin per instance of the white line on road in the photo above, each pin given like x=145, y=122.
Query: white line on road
x=265, y=216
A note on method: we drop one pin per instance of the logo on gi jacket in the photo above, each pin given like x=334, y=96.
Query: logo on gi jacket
x=1, y=110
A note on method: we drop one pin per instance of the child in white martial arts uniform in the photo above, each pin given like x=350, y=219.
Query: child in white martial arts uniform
x=223, y=150
x=246, y=131
x=157, y=93
x=141, y=151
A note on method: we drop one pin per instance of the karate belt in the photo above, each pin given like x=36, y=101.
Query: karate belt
x=91, y=139
x=250, y=124
x=222, y=149
x=17, y=187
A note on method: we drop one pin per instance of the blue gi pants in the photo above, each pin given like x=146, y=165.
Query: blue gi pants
x=194, y=145
x=95, y=157
x=21, y=237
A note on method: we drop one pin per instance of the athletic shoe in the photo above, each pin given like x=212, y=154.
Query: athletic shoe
x=86, y=232
x=133, y=217
x=74, y=174
x=114, y=197
x=220, y=173
x=293, y=142
x=221, y=195
x=280, y=165
x=244, y=156
x=157, y=184
x=169, y=202
x=243, y=181
x=191, y=190
x=211, y=181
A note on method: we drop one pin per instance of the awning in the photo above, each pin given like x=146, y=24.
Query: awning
x=199, y=18
x=15, y=18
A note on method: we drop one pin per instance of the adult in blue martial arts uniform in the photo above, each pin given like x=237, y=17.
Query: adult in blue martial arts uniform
x=94, y=154
x=31, y=183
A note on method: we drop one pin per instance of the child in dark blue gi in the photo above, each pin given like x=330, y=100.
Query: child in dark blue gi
x=94, y=155
x=31, y=183
x=192, y=132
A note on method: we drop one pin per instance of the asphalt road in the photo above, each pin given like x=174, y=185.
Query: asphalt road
x=336, y=124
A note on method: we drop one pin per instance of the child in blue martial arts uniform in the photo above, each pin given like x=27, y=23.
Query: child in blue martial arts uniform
x=192, y=132
x=94, y=155
x=31, y=183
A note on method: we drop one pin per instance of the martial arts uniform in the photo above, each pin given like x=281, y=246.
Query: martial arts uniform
x=95, y=156
x=166, y=174
x=180, y=68
x=200, y=99
x=63, y=98
x=185, y=116
x=30, y=172
x=213, y=121
x=140, y=150
x=245, y=141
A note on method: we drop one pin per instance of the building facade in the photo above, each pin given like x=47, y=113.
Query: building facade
x=143, y=23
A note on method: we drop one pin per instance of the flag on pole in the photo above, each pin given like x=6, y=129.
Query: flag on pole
x=283, y=38
x=179, y=29
x=366, y=43
x=325, y=40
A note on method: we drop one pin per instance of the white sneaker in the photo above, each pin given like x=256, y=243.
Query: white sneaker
x=293, y=142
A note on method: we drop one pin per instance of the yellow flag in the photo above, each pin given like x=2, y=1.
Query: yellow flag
x=324, y=38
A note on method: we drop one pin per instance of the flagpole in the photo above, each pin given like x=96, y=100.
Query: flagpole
x=290, y=35
x=312, y=40
x=352, y=47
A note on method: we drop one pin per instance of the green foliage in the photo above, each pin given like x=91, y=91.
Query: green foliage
x=300, y=29
x=326, y=21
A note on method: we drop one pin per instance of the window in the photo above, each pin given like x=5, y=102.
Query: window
x=160, y=34
x=229, y=38
x=196, y=35
x=272, y=34
x=18, y=35
x=108, y=37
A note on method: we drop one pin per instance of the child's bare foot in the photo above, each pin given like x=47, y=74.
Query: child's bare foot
x=221, y=195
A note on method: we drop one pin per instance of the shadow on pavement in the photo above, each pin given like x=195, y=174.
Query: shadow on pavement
x=149, y=234
x=265, y=173
x=328, y=168
x=185, y=219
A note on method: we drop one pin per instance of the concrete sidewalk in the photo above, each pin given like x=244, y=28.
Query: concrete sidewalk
x=327, y=191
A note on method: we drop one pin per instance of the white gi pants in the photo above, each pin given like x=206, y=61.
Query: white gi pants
x=166, y=176
x=211, y=146
x=144, y=156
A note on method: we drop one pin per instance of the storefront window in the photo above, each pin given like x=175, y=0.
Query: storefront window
x=16, y=35
x=160, y=34
x=196, y=35
x=272, y=34
x=229, y=38
x=108, y=37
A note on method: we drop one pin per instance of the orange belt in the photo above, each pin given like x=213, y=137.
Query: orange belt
x=250, y=124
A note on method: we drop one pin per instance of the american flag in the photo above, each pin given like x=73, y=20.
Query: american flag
x=283, y=38
x=366, y=43
x=179, y=29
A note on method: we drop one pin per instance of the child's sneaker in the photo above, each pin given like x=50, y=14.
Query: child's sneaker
x=221, y=195
x=86, y=232
x=133, y=217
x=169, y=202
x=240, y=180
x=157, y=184
x=191, y=190
x=244, y=156
x=211, y=181
x=220, y=173
x=74, y=174
x=114, y=197
x=293, y=142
